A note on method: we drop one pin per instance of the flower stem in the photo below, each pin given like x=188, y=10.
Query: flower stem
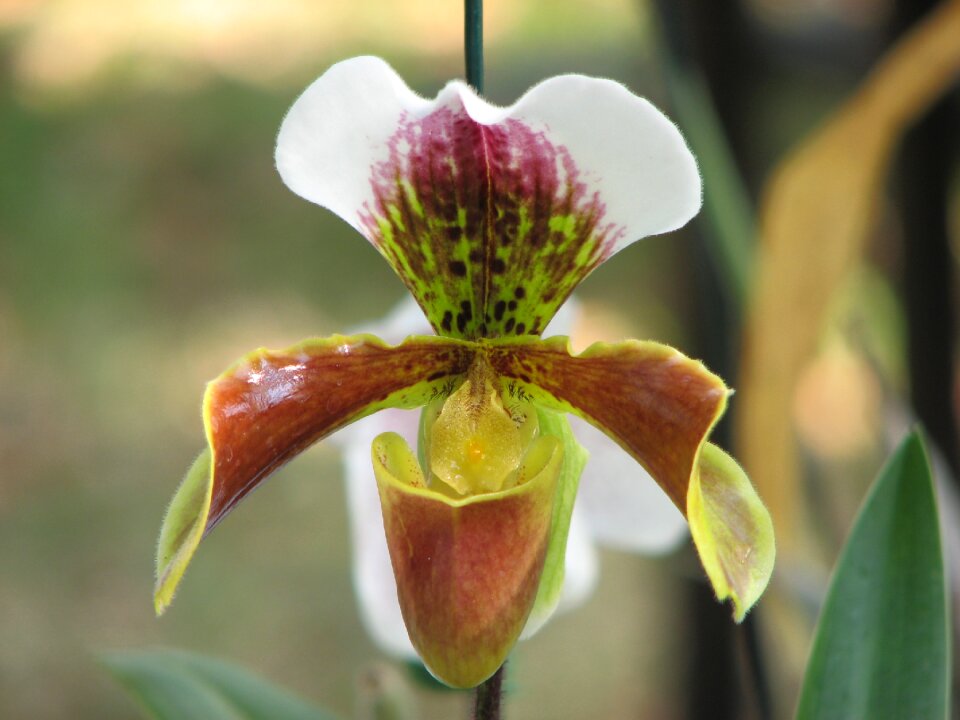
x=473, y=42
x=489, y=694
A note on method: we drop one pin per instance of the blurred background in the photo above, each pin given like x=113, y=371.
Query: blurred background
x=146, y=242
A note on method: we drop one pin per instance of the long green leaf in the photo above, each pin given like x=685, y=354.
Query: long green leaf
x=728, y=217
x=176, y=685
x=881, y=645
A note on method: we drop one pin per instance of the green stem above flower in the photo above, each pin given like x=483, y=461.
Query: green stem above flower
x=473, y=43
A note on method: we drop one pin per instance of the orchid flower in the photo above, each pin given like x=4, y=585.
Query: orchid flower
x=491, y=217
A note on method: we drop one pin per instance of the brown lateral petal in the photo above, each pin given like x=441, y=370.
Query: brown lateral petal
x=658, y=404
x=272, y=405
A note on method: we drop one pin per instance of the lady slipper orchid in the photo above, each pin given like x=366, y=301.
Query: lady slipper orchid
x=490, y=216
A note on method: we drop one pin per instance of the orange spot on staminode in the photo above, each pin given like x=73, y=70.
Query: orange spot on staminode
x=475, y=452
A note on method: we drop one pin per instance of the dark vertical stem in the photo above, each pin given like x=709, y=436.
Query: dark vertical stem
x=726, y=674
x=928, y=276
x=713, y=690
x=926, y=162
x=710, y=39
x=489, y=693
x=473, y=42
x=710, y=683
x=715, y=36
x=755, y=677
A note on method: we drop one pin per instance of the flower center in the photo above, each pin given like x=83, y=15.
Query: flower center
x=475, y=444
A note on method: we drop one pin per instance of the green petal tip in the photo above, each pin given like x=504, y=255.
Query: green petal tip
x=183, y=527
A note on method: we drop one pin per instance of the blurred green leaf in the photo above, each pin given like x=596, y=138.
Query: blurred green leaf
x=881, y=645
x=176, y=685
x=383, y=693
x=728, y=219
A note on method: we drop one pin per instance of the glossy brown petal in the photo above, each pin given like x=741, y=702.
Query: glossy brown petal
x=272, y=405
x=658, y=404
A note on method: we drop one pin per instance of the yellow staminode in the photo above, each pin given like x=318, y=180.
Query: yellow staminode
x=476, y=444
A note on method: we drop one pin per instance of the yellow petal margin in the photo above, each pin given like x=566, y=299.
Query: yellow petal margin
x=271, y=405
x=731, y=529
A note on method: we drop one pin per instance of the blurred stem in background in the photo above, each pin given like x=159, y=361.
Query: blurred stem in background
x=926, y=159
x=723, y=262
x=727, y=222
